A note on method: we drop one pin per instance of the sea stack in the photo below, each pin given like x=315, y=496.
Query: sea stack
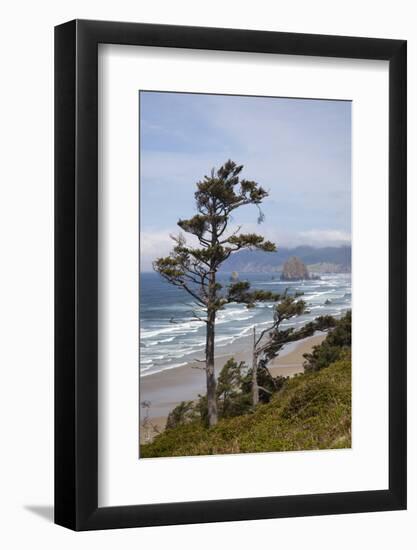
x=294, y=270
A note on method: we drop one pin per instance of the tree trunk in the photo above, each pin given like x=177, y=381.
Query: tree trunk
x=210, y=374
x=255, y=388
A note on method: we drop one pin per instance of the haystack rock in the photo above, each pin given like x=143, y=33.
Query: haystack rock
x=294, y=270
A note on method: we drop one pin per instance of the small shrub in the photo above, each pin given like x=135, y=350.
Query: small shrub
x=312, y=411
x=181, y=414
x=337, y=342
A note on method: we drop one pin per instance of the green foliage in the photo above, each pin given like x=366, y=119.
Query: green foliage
x=268, y=384
x=230, y=379
x=309, y=411
x=312, y=411
x=201, y=410
x=288, y=306
x=240, y=292
x=251, y=241
x=231, y=401
x=234, y=388
x=233, y=394
x=227, y=189
x=336, y=345
x=194, y=268
x=182, y=414
x=324, y=322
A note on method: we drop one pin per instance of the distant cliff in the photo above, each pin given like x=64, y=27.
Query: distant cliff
x=294, y=270
x=336, y=259
x=327, y=267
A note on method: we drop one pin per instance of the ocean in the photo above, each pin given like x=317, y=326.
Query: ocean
x=170, y=338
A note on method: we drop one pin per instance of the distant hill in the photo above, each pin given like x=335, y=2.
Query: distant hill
x=318, y=260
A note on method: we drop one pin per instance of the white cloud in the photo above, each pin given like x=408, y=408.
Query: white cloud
x=154, y=244
x=311, y=237
x=323, y=237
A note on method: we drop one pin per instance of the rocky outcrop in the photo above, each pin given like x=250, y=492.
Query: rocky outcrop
x=329, y=259
x=294, y=270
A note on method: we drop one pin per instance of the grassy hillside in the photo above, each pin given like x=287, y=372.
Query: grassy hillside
x=312, y=411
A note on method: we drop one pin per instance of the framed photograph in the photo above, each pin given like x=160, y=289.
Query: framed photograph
x=230, y=244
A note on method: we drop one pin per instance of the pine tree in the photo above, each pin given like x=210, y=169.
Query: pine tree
x=269, y=342
x=272, y=339
x=194, y=268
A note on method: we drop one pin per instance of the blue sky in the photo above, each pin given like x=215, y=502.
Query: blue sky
x=299, y=150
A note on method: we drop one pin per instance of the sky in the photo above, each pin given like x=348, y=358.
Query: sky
x=297, y=149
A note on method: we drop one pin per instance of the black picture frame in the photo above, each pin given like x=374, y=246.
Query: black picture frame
x=76, y=272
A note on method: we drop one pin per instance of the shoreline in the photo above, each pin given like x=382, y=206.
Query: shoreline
x=167, y=388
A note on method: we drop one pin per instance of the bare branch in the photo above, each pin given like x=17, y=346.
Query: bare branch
x=182, y=284
x=272, y=327
x=265, y=390
x=198, y=318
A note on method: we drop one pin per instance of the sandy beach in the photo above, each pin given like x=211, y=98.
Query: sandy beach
x=166, y=389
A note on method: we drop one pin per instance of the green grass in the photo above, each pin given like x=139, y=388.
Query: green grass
x=312, y=411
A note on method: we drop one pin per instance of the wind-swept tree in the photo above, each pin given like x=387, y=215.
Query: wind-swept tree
x=194, y=268
x=270, y=341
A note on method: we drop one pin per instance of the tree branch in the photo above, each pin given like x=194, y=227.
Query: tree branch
x=274, y=325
